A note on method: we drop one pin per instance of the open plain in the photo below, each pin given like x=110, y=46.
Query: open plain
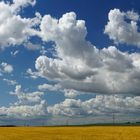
x=71, y=133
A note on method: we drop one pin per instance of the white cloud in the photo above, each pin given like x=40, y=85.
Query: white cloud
x=15, y=30
x=122, y=27
x=17, y=4
x=49, y=87
x=14, y=53
x=25, y=98
x=43, y=51
x=10, y=82
x=31, y=46
x=29, y=104
x=33, y=75
x=6, y=68
x=70, y=93
x=81, y=66
x=69, y=107
x=100, y=105
x=23, y=111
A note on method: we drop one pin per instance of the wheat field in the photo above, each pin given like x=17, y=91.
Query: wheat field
x=71, y=133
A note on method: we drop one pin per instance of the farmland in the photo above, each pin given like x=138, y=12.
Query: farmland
x=71, y=133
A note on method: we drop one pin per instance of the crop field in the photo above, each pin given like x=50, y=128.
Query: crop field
x=71, y=133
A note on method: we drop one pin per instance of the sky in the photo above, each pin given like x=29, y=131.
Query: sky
x=69, y=61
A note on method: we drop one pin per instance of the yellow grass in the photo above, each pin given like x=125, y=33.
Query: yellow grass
x=70, y=133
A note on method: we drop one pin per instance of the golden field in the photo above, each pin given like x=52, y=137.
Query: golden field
x=71, y=133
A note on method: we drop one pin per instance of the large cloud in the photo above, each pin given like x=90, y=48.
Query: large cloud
x=122, y=27
x=29, y=104
x=100, y=105
x=24, y=111
x=15, y=30
x=79, y=65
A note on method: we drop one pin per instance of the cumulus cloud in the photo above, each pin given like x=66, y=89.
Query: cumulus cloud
x=6, y=68
x=24, y=98
x=24, y=111
x=10, y=82
x=15, y=30
x=122, y=27
x=31, y=46
x=100, y=105
x=33, y=75
x=29, y=104
x=49, y=87
x=70, y=93
x=17, y=4
x=81, y=66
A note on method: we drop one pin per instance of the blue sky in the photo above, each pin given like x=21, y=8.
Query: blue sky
x=69, y=59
